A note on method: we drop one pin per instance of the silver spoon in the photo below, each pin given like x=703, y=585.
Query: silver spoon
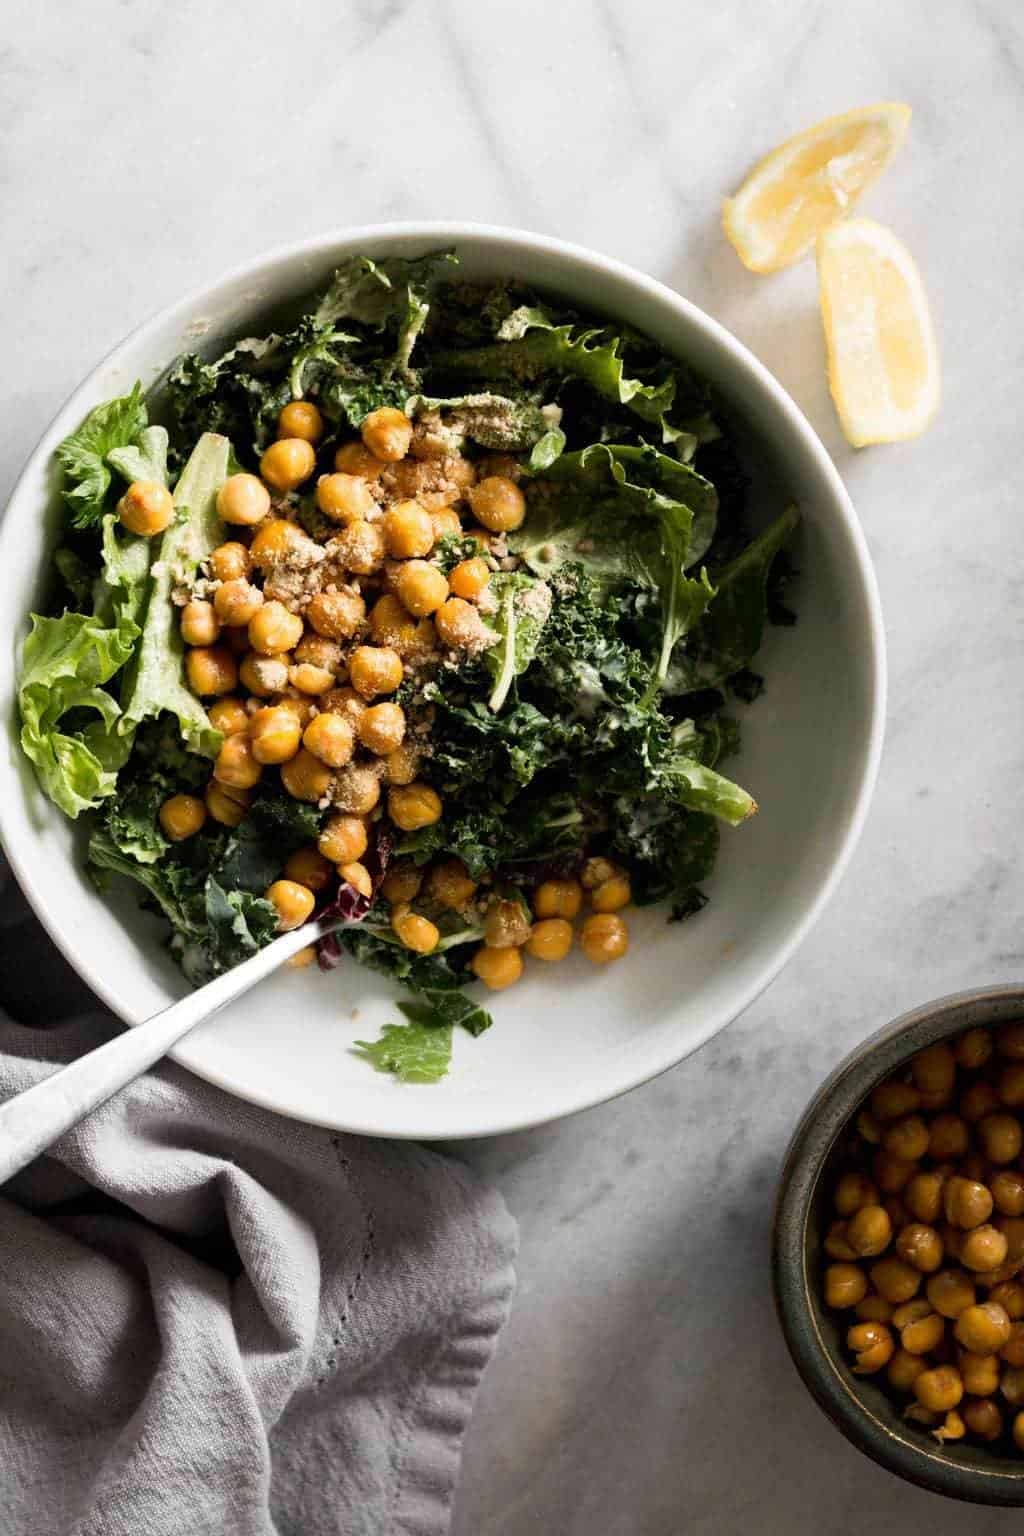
x=33, y=1120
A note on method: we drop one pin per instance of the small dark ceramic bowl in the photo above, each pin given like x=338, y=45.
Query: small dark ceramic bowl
x=859, y=1405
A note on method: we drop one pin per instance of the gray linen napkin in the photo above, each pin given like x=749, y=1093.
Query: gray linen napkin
x=216, y=1320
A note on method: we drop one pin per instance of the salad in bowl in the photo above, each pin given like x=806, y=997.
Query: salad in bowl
x=438, y=607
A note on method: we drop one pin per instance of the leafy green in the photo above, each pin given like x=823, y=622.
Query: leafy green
x=238, y=923
x=84, y=455
x=155, y=681
x=420, y=1051
x=273, y=829
x=524, y=603
x=416, y=1052
x=731, y=632
x=499, y=422
x=65, y=663
x=143, y=459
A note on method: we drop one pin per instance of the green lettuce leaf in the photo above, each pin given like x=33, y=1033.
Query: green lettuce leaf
x=143, y=459
x=155, y=681
x=65, y=663
x=731, y=632
x=83, y=456
x=689, y=783
x=524, y=603
x=420, y=1050
x=498, y=422
x=389, y=294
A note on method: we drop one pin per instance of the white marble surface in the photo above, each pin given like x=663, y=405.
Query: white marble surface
x=642, y=1389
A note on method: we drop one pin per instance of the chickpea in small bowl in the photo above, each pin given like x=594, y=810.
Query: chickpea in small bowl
x=898, y=1250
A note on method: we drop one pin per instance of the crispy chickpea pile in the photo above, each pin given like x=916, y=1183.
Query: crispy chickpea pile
x=926, y=1251
x=299, y=645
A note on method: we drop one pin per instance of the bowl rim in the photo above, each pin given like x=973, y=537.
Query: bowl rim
x=844, y=1089
x=840, y=507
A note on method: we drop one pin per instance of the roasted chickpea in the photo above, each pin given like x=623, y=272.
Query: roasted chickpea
x=408, y=531
x=226, y=803
x=895, y=1280
x=979, y=1099
x=972, y=1049
x=951, y=1428
x=305, y=777
x=336, y=615
x=983, y=1419
x=236, y=602
x=230, y=562
x=459, y=624
x=146, y=508
x=275, y=735
x=199, y=624
x=236, y=764
x=923, y=1197
x=357, y=875
x=983, y=1328
x=294, y=903
x=401, y=883
x=344, y=840
x=211, y=670
x=310, y=680
x=273, y=629
x=300, y=418
x=497, y=968
x=980, y=1373
x=413, y=806
x=903, y=1370
x=263, y=675
x=302, y=958
x=382, y=728
x=228, y=716
x=451, y=885
x=550, y=939
x=278, y=542
x=1009, y=1295
x=845, y=1284
x=920, y=1246
x=563, y=898
x=357, y=788
x=934, y=1069
x=1012, y=1229
x=872, y=1344
x=892, y=1100
x=853, y=1191
x=948, y=1138
x=836, y=1244
x=604, y=937
x=498, y=504
x=330, y=738
x=922, y=1335
x=401, y=766
x=317, y=651
x=344, y=498
x=307, y=866
x=967, y=1202
x=612, y=895
x=391, y=625
x=344, y=701
x=1011, y=1385
x=375, y=669
x=892, y=1174
x=356, y=459
x=984, y=1248
x=182, y=816
x=421, y=587
x=868, y=1231
x=243, y=500
x=951, y=1292
x=1000, y=1137
x=387, y=433
x=445, y=522
x=416, y=933
x=939, y=1389
x=896, y=1211
x=287, y=462
x=506, y=925
x=868, y=1128
x=470, y=578
x=874, y=1309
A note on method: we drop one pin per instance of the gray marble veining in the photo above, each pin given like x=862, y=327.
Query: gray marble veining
x=642, y=1389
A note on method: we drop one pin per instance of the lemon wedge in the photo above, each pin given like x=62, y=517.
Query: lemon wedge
x=883, y=361
x=810, y=182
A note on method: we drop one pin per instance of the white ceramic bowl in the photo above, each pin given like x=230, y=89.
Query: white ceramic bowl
x=565, y=1039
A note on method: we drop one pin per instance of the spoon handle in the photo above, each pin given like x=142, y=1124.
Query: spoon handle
x=33, y=1120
